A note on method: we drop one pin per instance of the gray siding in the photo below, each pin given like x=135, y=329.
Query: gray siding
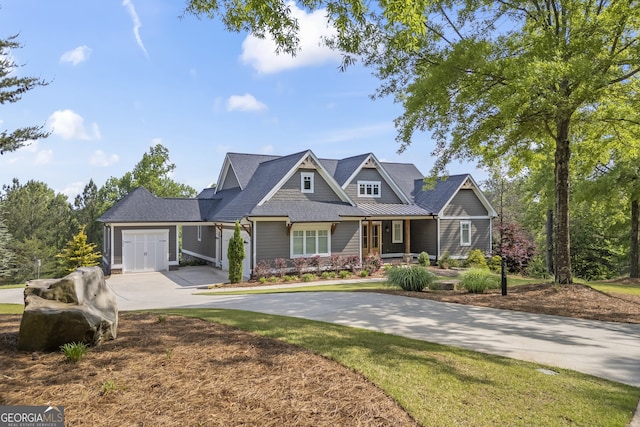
x=345, y=240
x=388, y=247
x=386, y=193
x=450, y=237
x=117, y=240
x=206, y=246
x=465, y=203
x=230, y=181
x=291, y=190
x=424, y=236
x=272, y=240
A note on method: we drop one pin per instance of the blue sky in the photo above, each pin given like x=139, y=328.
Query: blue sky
x=127, y=75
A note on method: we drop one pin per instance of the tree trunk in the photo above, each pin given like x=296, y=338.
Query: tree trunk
x=562, y=157
x=635, y=222
x=549, y=258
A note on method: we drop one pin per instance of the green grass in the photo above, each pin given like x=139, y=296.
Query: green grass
x=442, y=385
x=11, y=308
x=618, y=288
x=11, y=286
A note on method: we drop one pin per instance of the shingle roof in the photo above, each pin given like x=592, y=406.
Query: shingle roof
x=245, y=165
x=436, y=198
x=142, y=206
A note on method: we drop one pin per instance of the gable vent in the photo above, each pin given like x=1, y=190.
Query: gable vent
x=467, y=184
x=370, y=164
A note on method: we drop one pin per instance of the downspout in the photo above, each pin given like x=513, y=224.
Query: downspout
x=254, y=227
x=438, y=236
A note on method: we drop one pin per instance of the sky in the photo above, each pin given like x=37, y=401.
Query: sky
x=125, y=75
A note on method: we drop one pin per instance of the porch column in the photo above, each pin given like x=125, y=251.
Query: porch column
x=407, y=240
x=369, y=236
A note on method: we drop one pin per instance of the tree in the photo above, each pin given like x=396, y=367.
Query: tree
x=235, y=254
x=489, y=80
x=78, y=253
x=7, y=257
x=12, y=88
x=88, y=208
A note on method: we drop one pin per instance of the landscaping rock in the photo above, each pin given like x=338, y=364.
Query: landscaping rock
x=76, y=308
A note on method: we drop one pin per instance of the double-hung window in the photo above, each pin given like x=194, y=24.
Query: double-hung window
x=465, y=233
x=310, y=241
x=368, y=188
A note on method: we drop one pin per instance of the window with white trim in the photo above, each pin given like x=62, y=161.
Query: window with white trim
x=368, y=188
x=306, y=182
x=199, y=232
x=396, y=232
x=310, y=241
x=465, y=233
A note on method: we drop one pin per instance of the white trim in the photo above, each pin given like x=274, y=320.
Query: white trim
x=491, y=213
x=197, y=255
x=339, y=191
x=223, y=173
x=464, y=217
x=162, y=231
x=321, y=226
x=439, y=237
x=462, y=242
x=363, y=184
x=382, y=171
x=360, y=238
x=303, y=176
x=394, y=237
x=254, y=233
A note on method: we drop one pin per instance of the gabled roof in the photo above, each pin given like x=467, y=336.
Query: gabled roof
x=142, y=206
x=437, y=198
x=349, y=169
x=243, y=166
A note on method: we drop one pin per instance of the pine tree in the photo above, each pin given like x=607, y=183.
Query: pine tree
x=79, y=253
x=7, y=257
x=235, y=254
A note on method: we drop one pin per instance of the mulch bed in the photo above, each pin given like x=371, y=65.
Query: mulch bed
x=190, y=372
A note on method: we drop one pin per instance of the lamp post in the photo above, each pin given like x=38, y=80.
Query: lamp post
x=503, y=272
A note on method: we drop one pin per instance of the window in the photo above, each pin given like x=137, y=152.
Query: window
x=199, y=233
x=369, y=188
x=465, y=233
x=310, y=242
x=306, y=182
x=396, y=231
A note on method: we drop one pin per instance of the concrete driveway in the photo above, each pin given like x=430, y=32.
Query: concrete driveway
x=604, y=349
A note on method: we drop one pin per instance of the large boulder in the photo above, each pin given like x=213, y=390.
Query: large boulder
x=76, y=308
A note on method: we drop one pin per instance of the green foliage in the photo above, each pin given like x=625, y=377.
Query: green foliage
x=445, y=260
x=74, y=351
x=372, y=263
x=88, y=207
x=478, y=280
x=107, y=387
x=325, y=275
x=161, y=318
x=235, y=254
x=495, y=263
x=7, y=256
x=78, y=253
x=423, y=259
x=364, y=273
x=262, y=280
x=344, y=274
x=12, y=87
x=476, y=259
x=411, y=278
x=308, y=277
x=272, y=279
x=288, y=278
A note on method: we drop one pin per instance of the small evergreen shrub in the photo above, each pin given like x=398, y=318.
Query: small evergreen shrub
x=332, y=275
x=423, y=259
x=263, y=280
x=235, y=255
x=288, y=278
x=411, y=278
x=495, y=263
x=308, y=277
x=476, y=259
x=477, y=280
x=74, y=351
x=364, y=273
x=445, y=260
x=272, y=279
x=344, y=274
x=325, y=275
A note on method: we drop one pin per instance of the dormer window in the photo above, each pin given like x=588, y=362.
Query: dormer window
x=306, y=182
x=368, y=188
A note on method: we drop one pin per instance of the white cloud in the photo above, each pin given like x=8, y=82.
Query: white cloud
x=261, y=53
x=43, y=157
x=70, y=125
x=77, y=55
x=267, y=149
x=73, y=189
x=244, y=102
x=102, y=159
x=136, y=24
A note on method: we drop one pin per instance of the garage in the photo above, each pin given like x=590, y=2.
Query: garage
x=145, y=250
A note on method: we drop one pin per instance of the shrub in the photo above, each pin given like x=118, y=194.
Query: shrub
x=325, y=275
x=308, y=277
x=445, y=260
x=517, y=247
x=299, y=264
x=281, y=265
x=478, y=280
x=263, y=280
x=344, y=274
x=364, y=273
x=314, y=262
x=476, y=259
x=423, y=259
x=372, y=263
x=353, y=262
x=262, y=269
x=332, y=275
x=272, y=279
x=290, y=278
x=336, y=262
x=235, y=254
x=411, y=278
x=495, y=263
x=74, y=351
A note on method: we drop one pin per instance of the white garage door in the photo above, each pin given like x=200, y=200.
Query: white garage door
x=145, y=250
x=246, y=263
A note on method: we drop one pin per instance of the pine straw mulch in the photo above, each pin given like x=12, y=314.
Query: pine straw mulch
x=189, y=372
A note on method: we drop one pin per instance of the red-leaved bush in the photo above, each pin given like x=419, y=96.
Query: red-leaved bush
x=518, y=249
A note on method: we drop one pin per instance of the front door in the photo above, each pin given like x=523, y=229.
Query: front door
x=371, y=238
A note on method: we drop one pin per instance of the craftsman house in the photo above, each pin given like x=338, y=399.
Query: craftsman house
x=300, y=206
